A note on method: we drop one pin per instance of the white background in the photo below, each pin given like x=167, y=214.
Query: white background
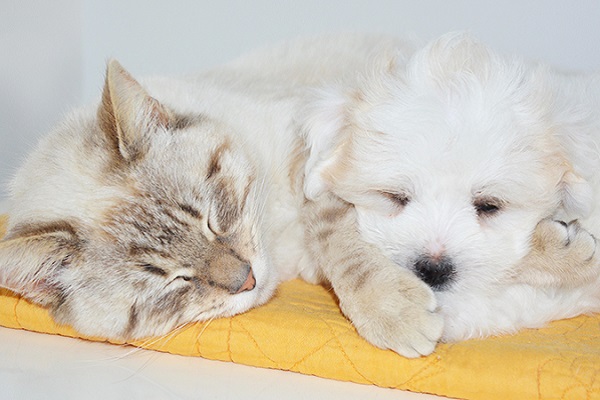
x=52, y=53
x=52, y=56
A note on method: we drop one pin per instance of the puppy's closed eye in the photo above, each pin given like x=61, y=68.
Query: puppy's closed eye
x=399, y=199
x=381, y=201
x=487, y=206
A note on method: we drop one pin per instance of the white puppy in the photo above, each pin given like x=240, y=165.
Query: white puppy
x=452, y=156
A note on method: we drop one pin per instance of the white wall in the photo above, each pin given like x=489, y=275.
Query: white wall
x=46, y=64
x=153, y=37
x=40, y=73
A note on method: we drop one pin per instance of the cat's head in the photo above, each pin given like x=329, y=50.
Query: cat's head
x=136, y=218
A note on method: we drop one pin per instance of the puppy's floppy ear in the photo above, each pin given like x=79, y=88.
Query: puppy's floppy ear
x=127, y=113
x=325, y=120
x=335, y=115
x=33, y=257
x=577, y=195
x=576, y=123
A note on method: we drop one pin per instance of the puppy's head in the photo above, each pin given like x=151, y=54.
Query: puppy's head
x=451, y=160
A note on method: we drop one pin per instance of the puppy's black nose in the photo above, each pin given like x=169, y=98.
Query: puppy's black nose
x=436, y=272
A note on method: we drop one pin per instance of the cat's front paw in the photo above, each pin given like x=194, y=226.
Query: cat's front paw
x=562, y=255
x=397, y=313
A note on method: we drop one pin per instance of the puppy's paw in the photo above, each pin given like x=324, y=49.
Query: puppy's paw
x=562, y=255
x=397, y=313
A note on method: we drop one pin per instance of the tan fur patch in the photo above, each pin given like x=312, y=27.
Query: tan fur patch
x=107, y=119
x=228, y=211
x=297, y=161
x=333, y=214
x=247, y=189
x=214, y=165
x=561, y=255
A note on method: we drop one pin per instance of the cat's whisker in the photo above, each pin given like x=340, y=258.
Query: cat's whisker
x=163, y=339
x=166, y=338
x=205, y=325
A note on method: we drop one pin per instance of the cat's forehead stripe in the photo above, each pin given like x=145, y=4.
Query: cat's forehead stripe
x=36, y=229
x=138, y=249
x=188, y=209
x=184, y=121
x=168, y=212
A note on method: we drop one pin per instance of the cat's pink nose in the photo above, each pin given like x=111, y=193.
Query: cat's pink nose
x=249, y=284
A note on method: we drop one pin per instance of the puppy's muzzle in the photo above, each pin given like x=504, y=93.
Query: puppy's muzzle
x=436, y=272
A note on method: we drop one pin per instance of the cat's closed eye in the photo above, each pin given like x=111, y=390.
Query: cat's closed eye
x=153, y=269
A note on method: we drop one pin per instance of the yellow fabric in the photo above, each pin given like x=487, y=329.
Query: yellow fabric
x=302, y=330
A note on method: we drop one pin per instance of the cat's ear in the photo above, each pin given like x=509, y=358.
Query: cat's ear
x=127, y=113
x=32, y=260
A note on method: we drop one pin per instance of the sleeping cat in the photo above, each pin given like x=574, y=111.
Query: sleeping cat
x=180, y=200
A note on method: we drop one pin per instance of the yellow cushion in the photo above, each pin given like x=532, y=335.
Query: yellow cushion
x=302, y=330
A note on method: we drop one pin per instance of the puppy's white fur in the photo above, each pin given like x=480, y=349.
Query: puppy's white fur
x=454, y=152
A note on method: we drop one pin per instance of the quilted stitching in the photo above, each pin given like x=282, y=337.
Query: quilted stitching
x=302, y=330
